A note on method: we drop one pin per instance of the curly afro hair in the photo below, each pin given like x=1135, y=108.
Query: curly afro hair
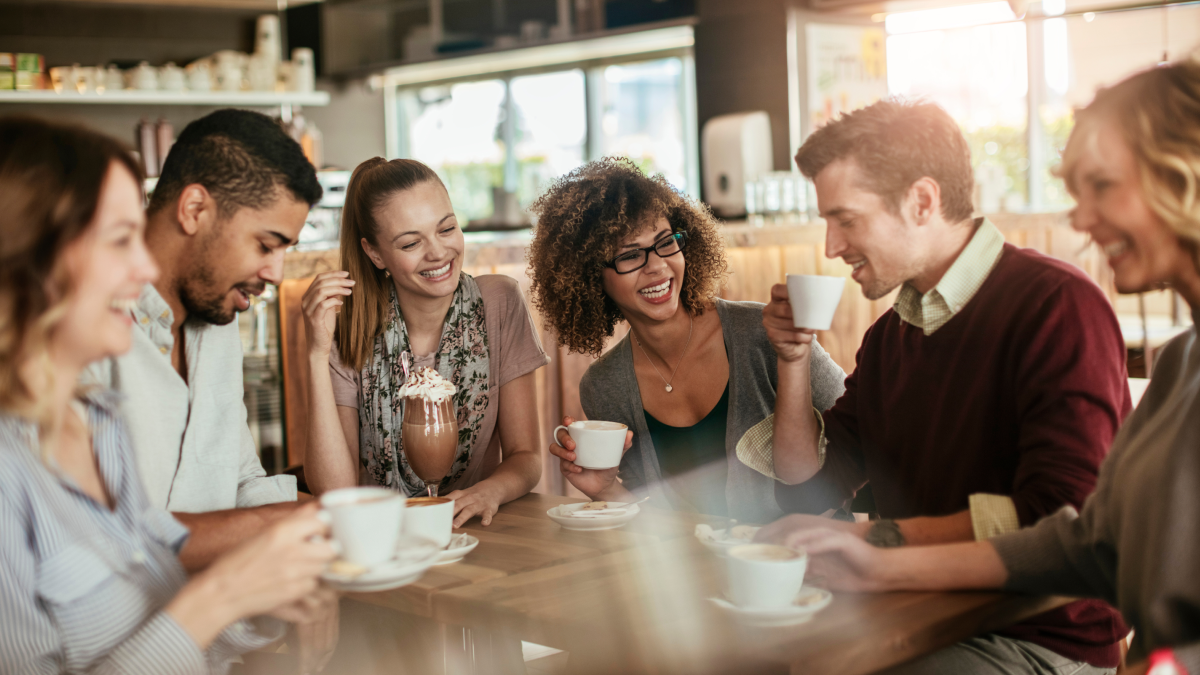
x=582, y=219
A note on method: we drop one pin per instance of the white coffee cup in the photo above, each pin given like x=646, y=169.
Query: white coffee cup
x=85, y=79
x=114, y=79
x=366, y=522
x=429, y=517
x=199, y=76
x=172, y=78
x=144, y=77
x=765, y=576
x=598, y=445
x=814, y=299
x=62, y=78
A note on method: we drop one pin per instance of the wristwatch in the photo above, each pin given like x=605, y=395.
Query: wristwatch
x=1163, y=662
x=885, y=534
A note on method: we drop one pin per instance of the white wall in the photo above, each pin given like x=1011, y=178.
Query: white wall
x=352, y=123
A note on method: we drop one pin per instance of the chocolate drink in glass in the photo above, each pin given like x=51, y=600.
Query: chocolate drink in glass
x=429, y=428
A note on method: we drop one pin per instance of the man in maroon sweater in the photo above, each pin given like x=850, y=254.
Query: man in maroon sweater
x=983, y=401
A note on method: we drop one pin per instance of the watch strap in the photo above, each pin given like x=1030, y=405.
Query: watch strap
x=885, y=534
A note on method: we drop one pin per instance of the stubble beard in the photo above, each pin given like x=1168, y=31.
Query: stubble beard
x=201, y=299
x=877, y=288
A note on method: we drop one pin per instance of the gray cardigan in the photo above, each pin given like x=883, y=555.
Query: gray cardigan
x=1135, y=543
x=609, y=391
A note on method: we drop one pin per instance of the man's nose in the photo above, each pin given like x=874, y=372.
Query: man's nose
x=273, y=272
x=835, y=243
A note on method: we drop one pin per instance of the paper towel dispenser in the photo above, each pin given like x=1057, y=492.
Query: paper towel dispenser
x=735, y=148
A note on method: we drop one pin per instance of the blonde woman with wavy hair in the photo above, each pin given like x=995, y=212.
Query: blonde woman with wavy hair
x=1133, y=166
x=89, y=569
x=402, y=290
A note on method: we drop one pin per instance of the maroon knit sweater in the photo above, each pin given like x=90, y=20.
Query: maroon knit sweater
x=1019, y=394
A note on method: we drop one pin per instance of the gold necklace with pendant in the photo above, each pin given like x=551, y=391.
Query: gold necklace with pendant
x=669, y=388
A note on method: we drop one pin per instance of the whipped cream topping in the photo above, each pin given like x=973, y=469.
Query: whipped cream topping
x=428, y=384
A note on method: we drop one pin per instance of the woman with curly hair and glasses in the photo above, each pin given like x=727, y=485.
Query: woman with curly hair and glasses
x=1133, y=166
x=694, y=373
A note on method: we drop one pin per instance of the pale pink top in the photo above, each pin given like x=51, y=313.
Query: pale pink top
x=513, y=350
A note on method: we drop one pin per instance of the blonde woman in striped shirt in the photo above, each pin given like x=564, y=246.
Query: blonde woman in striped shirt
x=90, y=580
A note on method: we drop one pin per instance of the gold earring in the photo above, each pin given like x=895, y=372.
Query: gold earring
x=387, y=273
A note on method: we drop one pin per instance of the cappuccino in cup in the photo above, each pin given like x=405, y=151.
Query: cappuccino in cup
x=365, y=521
x=431, y=518
x=598, y=445
x=765, y=576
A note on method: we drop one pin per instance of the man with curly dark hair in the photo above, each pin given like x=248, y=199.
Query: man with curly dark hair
x=694, y=373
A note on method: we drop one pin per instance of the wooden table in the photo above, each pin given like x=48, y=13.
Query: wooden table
x=634, y=600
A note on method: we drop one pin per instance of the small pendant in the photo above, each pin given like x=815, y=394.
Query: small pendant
x=668, y=388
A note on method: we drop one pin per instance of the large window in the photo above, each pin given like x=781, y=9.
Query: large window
x=550, y=133
x=499, y=142
x=1013, y=85
x=453, y=129
x=642, y=117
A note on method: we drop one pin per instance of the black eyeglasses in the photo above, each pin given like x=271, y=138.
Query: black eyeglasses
x=632, y=261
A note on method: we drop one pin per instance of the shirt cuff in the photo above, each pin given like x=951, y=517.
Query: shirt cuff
x=756, y=447
x=244, y=636
x=993, y=515
x=265, y=490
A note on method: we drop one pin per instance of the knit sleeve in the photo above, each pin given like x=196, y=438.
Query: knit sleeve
x=1064, y=554
x=601, y=399
x=826, y=378
x=844, y=471
x=1071, y=396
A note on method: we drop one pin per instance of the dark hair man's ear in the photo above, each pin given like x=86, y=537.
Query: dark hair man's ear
x=195, y=209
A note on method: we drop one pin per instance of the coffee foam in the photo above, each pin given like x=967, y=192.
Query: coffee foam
x=597, y=425
x=427, y=501
x=764, y=553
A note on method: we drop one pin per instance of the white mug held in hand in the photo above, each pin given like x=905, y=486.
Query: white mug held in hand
x=598, y=445
x=366, y=522
x=765, y=576
x=814, y=299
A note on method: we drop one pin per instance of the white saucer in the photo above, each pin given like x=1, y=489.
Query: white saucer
x=414, y=555
x=808, y=602
x=721, y=542
x=460, y=546
x=560, y=515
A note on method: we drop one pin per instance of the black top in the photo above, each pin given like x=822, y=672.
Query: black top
x=693, y=459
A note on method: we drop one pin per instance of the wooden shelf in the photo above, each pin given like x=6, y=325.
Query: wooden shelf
x=215, y=98
x=257, y=5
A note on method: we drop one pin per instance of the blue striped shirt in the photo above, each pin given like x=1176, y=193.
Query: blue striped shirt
x=82, y=587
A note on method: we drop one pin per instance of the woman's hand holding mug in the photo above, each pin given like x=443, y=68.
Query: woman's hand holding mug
x=277, y=572
x=595, y=483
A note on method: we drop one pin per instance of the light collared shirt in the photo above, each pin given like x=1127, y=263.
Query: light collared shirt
x=83, y=588
x=932, y=310
x=990, y=514
x=194, y=451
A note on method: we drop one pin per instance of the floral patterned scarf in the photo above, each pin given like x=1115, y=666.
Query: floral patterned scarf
x=462, y=358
